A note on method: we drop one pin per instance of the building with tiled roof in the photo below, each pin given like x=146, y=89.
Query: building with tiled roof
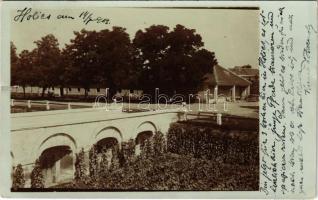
x=246, y=72
x=250, y=74
x=222, y=82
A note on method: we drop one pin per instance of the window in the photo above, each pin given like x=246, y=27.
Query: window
x=52, y=88
x=88, y=90
x=131, y=91
x=79, y=89
x=98, y=90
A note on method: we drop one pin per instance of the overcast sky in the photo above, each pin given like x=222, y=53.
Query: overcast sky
x=231, y=33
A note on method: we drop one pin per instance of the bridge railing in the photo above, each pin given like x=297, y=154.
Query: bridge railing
x=37, y=105
x=49, y=105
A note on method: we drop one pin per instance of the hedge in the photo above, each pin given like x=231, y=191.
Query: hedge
x=214, y=143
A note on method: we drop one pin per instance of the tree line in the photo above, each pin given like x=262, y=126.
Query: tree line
x=157, y=57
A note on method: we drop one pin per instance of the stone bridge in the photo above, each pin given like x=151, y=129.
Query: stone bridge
x=48, y=134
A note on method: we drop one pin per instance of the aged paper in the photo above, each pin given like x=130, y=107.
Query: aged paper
x=144, y=123
x=288, y=87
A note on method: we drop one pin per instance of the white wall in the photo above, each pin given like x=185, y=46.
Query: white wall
x=28, y=133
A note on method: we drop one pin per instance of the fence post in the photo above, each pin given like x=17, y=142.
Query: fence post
x=225, y=105
x=47, y=105
x=12, y=102
x=219, y=119
x=29, y=103
x=185, y=110
x=214, y=107
x=69, y=106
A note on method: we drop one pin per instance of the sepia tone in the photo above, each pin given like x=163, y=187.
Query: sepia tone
x=145, y=107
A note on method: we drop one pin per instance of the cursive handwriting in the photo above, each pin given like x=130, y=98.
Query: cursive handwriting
x=28, y=14
x=285, y=82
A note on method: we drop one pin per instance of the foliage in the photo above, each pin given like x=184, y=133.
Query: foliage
x=230, y=146
x=37, y=179
x=198, y=158
x=93, y=162
x=128, y=149
x=80, y=166
x=47, y=62
x=23, y=69
x=174, y=61
x=159, y=143
x=147, y=149
x=104, y=58
x=14, y=64
x=18, y=180
x=40, y=66
x=178, y=172
x=114, y=165
x=103, y=166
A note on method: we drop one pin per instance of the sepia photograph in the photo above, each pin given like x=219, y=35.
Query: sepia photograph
x=134, y=99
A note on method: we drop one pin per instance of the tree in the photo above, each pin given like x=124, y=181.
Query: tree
x=93, y=162
x=147, y=149
x=117, y=59
x=18, y=180
x=152, y=46
x=103, y=58
x=83, y=57
x=37, y=179
x=173, y=61
x=114, y=165
x=65, y=77
x=103, y=169
x=128, y=151
x=80, y=167
x=14, y=64
x=23, y=69
x=159, y=144
x=47, y=62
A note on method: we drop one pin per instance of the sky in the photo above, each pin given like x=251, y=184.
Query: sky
x=231, y=33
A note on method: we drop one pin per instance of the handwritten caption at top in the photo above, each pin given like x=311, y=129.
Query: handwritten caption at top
x=28, y=14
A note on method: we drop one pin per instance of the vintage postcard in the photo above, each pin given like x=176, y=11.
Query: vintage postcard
x=211, y=99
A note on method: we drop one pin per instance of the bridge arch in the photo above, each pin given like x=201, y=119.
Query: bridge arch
x=144, y=131
x=56, y=156
x=108, y=137
x=146, y=126
x=59, y=139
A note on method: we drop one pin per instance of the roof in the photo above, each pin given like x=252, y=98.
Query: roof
x=244, y=71
x=225, y=77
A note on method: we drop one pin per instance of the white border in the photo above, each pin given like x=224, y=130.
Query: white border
x=5, y=95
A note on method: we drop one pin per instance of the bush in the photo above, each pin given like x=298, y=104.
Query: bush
x=128, y=151
x=80, y=167
x=103, y=166
x=114, y=165
x=178, y=172
x=229, y=146
x=37, y=179
x=18, y=180
x=198, y=158
x=93, y=162
x=159, y=144
x=147, y=150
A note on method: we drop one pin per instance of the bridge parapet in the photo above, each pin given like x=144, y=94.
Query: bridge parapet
x=32, y=120
x=34, y=132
